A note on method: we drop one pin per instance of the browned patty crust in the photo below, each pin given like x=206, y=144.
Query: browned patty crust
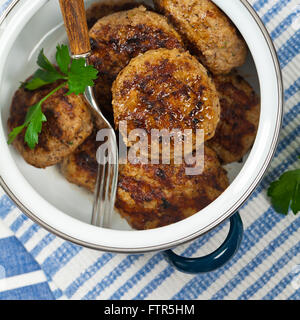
x=240, y=111
x=68, y=124
x=166, y=89
x=119, y=37
x=101, y=9
x=151, y=196
x=207, y=31
x=81, y=166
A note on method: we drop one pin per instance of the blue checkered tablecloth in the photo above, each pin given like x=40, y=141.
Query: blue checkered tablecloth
x=35, y=264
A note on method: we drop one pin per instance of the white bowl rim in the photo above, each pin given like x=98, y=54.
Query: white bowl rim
x=151, y=234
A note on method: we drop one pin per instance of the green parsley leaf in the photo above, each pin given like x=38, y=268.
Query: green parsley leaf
x=44, y=63
x=63, y=58
x=80, y=76
x=14, y=133
x=33, y=122
x=42, y=77
x=285, y=192
x=46, y=75
x=76, y=75
x=34, y=119
x=34, y=83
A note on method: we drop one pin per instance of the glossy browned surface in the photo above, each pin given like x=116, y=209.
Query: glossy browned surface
x=240, y=110
x=101, y=9
x=166, y=89
x=151, y=196
x=207, y=31
x=68, y=124
x=81, y=166
x=119, y=37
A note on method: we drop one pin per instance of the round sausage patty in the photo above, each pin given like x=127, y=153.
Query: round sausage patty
x=151, y=196
x=240, y=111
x=208, y=33
x=81, y=166
x=101, y=9
x=121, y=36
x=166, y=89
x=68, y=124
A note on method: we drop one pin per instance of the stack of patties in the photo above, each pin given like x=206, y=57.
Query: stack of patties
x=172, y=72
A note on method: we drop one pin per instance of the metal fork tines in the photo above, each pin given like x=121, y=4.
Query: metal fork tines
x=108, y=165
x=106, y=185
x=75, y=21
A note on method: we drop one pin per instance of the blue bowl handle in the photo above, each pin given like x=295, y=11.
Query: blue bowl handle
x=217, y=258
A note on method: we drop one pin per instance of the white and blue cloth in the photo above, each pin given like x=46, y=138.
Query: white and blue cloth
x=35, y=264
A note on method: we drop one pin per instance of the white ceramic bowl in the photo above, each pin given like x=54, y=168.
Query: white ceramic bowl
x=64, y=209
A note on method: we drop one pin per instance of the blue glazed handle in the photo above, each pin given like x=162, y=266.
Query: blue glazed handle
x=217, y=258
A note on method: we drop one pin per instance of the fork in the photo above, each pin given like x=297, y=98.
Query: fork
x=74, y=16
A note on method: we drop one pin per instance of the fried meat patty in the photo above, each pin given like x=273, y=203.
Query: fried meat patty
x=240, y=111
x=151, y=196
x=68, y=124
x=166, y=89
x=81, y=166
x=208, y=33
x=121, y=36
x=99, y=10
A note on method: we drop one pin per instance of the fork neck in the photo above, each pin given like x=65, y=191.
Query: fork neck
x=82, y=55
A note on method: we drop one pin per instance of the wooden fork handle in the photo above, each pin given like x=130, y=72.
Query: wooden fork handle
x=75, y=22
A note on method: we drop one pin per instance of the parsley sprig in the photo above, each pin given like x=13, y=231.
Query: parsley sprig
x=76, y=75
x=285, y=192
